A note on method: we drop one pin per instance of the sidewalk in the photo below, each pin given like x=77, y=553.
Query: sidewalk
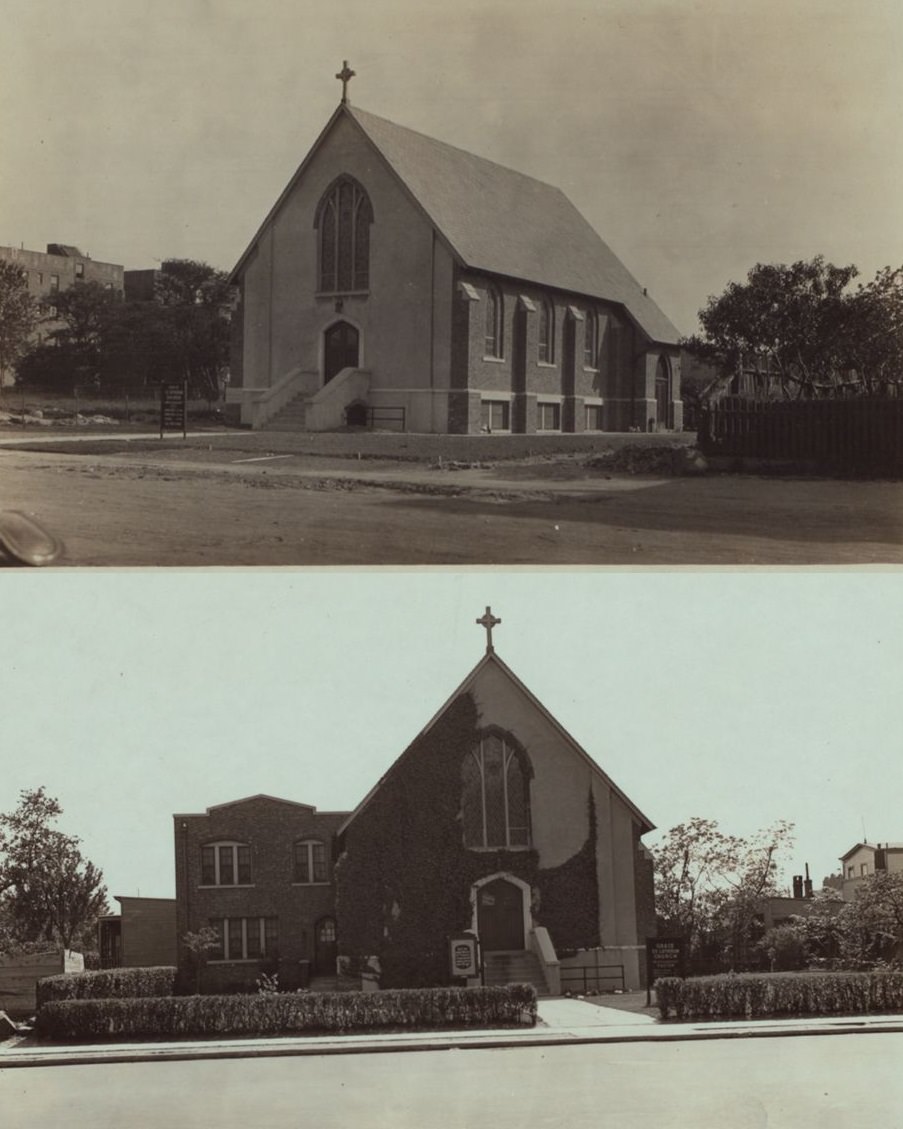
x=562, y=1021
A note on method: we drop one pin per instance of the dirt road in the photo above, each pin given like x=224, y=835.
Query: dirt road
x=216, y=505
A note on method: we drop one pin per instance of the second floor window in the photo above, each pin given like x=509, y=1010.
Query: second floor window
x=343, y=225
x=226, y=864
x=310, y=862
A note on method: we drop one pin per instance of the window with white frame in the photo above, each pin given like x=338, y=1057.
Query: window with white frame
x=493, y=335
x=495, y=415
x=546, y=333
x=548, y=416
x=245, y=938
x=225, y=864
x=79, y=270
x=311, y=862
x=593, y=420
x=495, y=794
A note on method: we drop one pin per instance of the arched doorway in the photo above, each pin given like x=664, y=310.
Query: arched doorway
x=340, y=349
x=663, y=393
x=500, y=916
x=325, y=947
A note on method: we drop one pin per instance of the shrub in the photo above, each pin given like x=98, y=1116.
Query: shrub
x=287, y=1013
x=750, y=995
x=108, y=984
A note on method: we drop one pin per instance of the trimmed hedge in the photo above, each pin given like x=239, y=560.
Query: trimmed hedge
x=108, y=984
x=751, y=995
x=287, y=1013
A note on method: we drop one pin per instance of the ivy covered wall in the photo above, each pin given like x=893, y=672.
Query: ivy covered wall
x=404, y=877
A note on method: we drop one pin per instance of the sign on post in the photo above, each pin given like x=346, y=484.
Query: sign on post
x=462, y=955
x=174, y=408
x=664, y=957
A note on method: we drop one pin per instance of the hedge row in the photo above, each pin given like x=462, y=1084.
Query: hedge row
x=288, y=1013
x=749, y=995
x=108, y=984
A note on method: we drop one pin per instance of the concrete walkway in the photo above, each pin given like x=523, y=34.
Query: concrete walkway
x=562, y=1021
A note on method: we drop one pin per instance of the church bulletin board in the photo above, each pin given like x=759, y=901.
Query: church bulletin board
x=664, y=957
x=174, y=408
x=462, y=955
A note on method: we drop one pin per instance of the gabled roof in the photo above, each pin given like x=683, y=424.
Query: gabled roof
x=492, y=658
x=501, y=221
x=872, y=847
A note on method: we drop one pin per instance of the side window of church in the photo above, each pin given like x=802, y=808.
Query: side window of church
x=310, y=862
x=493, y=335
x=343, y=224
x=226, y=864
x=495, y=795
x=546, y=333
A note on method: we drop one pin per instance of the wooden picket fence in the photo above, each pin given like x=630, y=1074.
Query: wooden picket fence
x=852, y=435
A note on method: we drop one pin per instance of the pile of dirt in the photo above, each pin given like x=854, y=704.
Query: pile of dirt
x=661, y=459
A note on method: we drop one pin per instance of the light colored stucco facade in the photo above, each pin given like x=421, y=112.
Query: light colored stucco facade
x=421, y=320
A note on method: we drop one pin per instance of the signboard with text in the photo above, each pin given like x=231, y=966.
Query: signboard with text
x=174, y=408
x=462, y=955
x=664, y=957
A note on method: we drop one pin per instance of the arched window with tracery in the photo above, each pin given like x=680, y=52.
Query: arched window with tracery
x=343, y=223
x=493, y=345
x=495, y=794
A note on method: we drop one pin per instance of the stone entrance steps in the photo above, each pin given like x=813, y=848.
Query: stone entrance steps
x=520, y=967
x=293, y=417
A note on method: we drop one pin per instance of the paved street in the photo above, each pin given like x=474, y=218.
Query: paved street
x=850, y=1081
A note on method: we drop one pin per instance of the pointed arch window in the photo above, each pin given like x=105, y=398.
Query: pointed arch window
x=493, y=345
x=495, y=794
x=343, y=223
x=546, y=333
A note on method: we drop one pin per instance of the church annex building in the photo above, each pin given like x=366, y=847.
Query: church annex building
x=404, y=283
x=493, y=823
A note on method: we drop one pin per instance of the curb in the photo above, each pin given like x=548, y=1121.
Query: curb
x=112, y=1054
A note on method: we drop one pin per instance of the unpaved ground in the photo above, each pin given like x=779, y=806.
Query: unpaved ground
x=256, y=502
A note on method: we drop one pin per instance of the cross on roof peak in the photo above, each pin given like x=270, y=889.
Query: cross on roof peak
x=489, y=621
x=345, y=75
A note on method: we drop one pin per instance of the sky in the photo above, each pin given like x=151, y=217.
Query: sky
x=740, y=696
x=699, y=137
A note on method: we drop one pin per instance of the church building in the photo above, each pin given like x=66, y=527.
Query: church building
x=400, y=282
x=493, y=826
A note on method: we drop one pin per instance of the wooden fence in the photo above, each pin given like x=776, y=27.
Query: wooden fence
x=857, y=435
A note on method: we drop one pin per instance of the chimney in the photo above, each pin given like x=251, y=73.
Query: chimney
x=807, y=885
x=797, y=885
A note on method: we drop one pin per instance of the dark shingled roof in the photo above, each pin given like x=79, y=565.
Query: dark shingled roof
x=504, y=222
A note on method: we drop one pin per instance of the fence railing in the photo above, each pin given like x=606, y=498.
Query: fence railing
x=604, y=977
x=850, y=434
x=381, y=417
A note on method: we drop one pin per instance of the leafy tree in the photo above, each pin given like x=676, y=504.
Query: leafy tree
x=197, y=301
x=874, y=337
x=709, y=886
x=871, y=925
x=48, y=890
x=72, y=356
x=200, y=945
x=18, y=314
x=794, y=316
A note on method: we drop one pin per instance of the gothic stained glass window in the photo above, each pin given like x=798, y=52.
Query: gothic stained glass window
x=590, y=343
x=495, y=805
x=343, y=222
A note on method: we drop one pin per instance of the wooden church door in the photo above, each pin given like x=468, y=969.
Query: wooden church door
x=500, y=916
x=341, y=349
